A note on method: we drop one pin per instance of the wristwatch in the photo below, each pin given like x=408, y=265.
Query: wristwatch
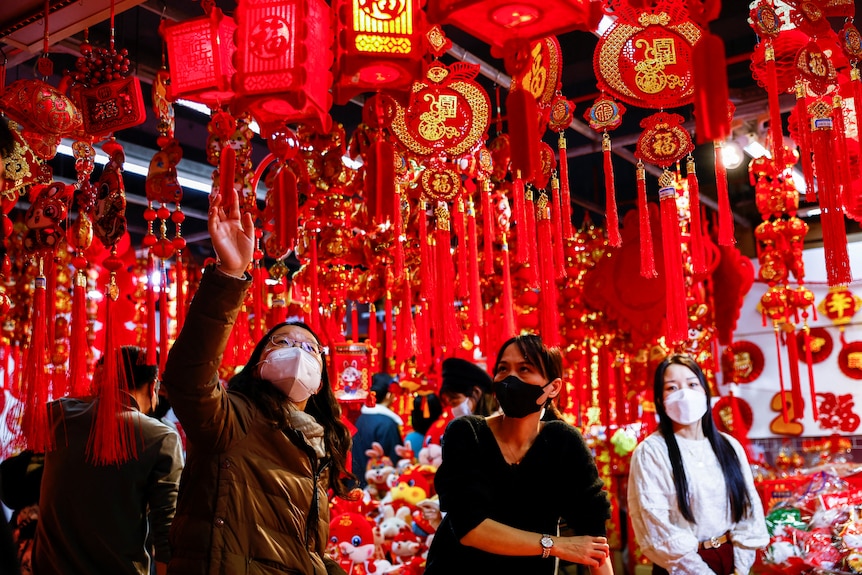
x=547, y=543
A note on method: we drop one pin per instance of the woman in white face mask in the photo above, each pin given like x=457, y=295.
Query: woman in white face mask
x=691, y=495
x=263, y=453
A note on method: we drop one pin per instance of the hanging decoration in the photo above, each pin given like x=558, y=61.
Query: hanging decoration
x=606, y=115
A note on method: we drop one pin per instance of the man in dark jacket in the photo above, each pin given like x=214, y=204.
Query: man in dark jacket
x=101, y=518
x=376, y=424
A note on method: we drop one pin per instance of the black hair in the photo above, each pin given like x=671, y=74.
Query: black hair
x=549, y=360
x=323, y=406
x=731, y=467
x=420, y=423
x=136, y=371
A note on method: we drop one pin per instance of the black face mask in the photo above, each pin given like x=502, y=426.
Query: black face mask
x=518, y=398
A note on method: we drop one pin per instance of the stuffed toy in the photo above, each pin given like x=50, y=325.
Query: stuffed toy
x=352, y=545
x=378, y=471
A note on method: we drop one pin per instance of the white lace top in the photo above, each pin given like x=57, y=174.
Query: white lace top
x=664, y=535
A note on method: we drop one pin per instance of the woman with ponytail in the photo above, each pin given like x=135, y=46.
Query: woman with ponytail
x=691, y=495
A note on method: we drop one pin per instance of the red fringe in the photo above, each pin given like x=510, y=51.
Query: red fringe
x=449, y=336
x=784, y=415
x=372, y=334
x=182, y=286
x=725, y=216
x=613, y=220
x=698, y=255
x=423, y=338
x=461, y=233
x=857, y=103
x=388, y=352
x=315, y=289
x=506, y=299
x=408, y=344
x=841, y=158
x=647, y=255
x=227, y=171
x=677, y=314
x=549, y=315
x=528, y=240
x=710, y=89
x=565, y=198
x=354, y=322
x=519, y=217
x=287, y=214
x=164, y=317
x=398, y=229
x=476, y=305
x=524, y=137
x=152, y=326
x=620, y=417
x=606, y=383
x=809, y=362
x=51, y=302
x=792, y=344
x=258, y=292
x=487, y=229
x=426, y=270
x=775, y=126
x=79, y=384
x=559, y=239
x=804, y=142
x=35, y=422
x=380, y=178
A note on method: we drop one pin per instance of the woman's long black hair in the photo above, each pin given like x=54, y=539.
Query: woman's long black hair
x=549, y=360
x=322, y=406
x=731, y=467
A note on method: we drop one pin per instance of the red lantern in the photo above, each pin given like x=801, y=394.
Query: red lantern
x=199, y=56
x=499, y=21
x=379, y=46
x=282, y=64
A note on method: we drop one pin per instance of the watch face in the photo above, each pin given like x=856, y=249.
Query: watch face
x=547, y=542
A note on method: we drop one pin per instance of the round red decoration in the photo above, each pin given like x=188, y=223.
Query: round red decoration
x=440, y=184
x=840, y=305
x=648, y=62
x=562, y=114
x=851, y=41
x=821, y=345
x=815, y=67
x=742, y=362
x=542, y=75
x=605, y=114
x=664, y=141
x=766, y=21
x=722, y=415
x=850, y=360
x=448, y=112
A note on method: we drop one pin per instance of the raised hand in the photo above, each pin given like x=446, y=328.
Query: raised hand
x=232, y=233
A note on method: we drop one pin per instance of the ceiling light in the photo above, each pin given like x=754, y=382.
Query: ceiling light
x=731, y=155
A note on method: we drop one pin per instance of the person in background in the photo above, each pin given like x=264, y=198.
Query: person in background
x=422, y=423
x=506, y=481
x=20, y=482
x=465, y=388
x=377, y=424
x=263, y=453
x=691, y=496
x=97, y=518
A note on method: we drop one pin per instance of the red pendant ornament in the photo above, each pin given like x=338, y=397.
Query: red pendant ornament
x=282, y=63
x=603, y=116
x=200, y=54
x=379, y=46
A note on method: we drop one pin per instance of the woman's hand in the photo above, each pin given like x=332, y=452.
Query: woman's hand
x=586, y=550
x=431, y=512
x=232, y=233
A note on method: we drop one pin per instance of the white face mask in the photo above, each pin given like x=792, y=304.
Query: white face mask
x=293, y=371
x=685, y=406
x=462, y=409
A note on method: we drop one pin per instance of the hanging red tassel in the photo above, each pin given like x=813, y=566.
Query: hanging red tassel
x=676, y=311
x=739, y=431
x=803, y=136
x=647, y=255
x=315, y=290
x=519, y=217
x=476, y=305
x=398, y=228
x=556, y=210
x=51, y=301
x=792, y=345
x=784, y=400
x=372, y=335
x=423, y=338
x=449, y=336
x=426, y=270
x=613, y=220
x=287, y=214
x=725, y=216
x=35, y=423
x=524, y=138
x=180, y=271
x=698, y=254
x=548, y=286
x=565, y=193
x=78, y=382
x=506, y=299
x=487, y=229
x=354, y=321
x=605, y=383
x=227, y=171
x=620, y=417
x=809, y=362
x=152, y=326
x=857, y=107
x=841, y=164
x=389, y=336
x=380, y=175
x=710, y=89
x=775, y=126
x=461, y=233
x=527, y=238
x=164, y=317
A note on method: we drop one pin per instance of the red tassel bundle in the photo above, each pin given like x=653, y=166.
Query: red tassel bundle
x=448, y=334
x=524, y=136
x=784, y=399
x=398, y=229
x=426, y=270
x=804, y=142
x=314, y=304
x=565, y=193
x=809, y=362
x=710, y=89
x=613, y=220
x=856, y=82
x=35, y=424
x=725, y=216
x=476, y=305
x=380, y=180
x=548, y=286
x=78, y=382
x=372, y=334
x=407, y=340
x=556, y=210
x=775, y=127
x=527, y=239
x=180, y=272
x=152, y=326
x=519, y=217
x=790, y=340
x=164, y=316
x=287, y=213
x=388, y=352
x=506, y=299
x=227, y=174
x=677, y=314
x=461, y=233
x=698, y=254
x=647, y=255
x=487, y=229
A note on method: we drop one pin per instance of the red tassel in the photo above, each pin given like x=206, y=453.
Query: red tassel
x=354, y=321
x=739, y=431
x=315, y=289
x=605, y=383
x=487, y=229
x=388, y=352
x=775, y=126
x=372, y=334
x=449, y=336
x=725, y=216
x=804, y=142
x=842, y=158
x=519, y=217
x=792, y=344
x=710, y=89
x=398, y=228
x=227, y=171
x=548, y=285
x=426, y=270
x=78, y=381
x=287, y=214
x=647, y=255
x=528, y=240
x=152, y=326
x=423, y=337
x=677, y=314
x=51, y=301
x=407, y=330
x=461, y=233
x=507, y=303
x=35, y=423
x=476, y=305
x=619, y=397
x=784, y=415
x=698, y=255
x=613, y=220
x=380, y=178
x=565, y=193
x=857, y=106
x=556, y=210
x=164, y=316
x=809, y=362
x=524, y=137
x=180, y=272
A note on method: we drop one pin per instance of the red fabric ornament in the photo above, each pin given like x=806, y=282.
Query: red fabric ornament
x=604, y=115
x=732, y=279
x=820, y=345
x=524, y=135
x=696, y=240
x=731, y=418
x=647, y=259
x=111, y=106
x=850, y=360
x=726, y=235
x=547, y=275
x=676, y=311
x=35, y=423
x=710, y=89
x=476, y=305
